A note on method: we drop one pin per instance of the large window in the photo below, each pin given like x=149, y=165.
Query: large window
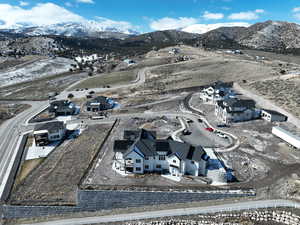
x=138, y=161
x=146, y=158
x=138, y=169
x=174, y=161
x=146, y=167
x=158, y=166
x=162, y=157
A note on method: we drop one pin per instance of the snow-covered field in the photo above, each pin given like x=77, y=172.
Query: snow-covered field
x=35, y=70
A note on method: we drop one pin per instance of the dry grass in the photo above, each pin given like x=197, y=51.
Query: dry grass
x=205, y=71
x=285, y=93
x=26, y=168
x=55, y=181
x=115, y=78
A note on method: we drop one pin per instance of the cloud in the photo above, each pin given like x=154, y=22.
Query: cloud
x=68, y=4
x=120, y=25
x=39, y=15
x=212, y=16
x=203, y=28
x=22, y=3
x=250, y=15
x=46, y=14
x=86, y=1
x=168, y=23
x=297, y=9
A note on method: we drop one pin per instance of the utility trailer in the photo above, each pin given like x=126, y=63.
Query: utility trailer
x=287, y=136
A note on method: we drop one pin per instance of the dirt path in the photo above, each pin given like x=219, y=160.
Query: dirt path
x=267, y=104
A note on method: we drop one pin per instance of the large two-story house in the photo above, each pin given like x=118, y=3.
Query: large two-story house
x=140, y=152
x=216, y=92
x=45, y=133
x=100, y=103
x=62, y=108
x=236, y=110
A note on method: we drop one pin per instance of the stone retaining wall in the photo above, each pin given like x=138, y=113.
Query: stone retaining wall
x=89, y=201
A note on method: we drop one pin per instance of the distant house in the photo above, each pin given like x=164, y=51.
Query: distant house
x=45, y=133
x=216, y=92
x=273, y=116
x=174, y=51
x=236, y=110
x=140, y=152
x=129, y=62
x=100, y=103
x=84, y=59
x=62, y=108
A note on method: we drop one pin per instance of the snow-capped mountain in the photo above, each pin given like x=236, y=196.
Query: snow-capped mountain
x=74, y=29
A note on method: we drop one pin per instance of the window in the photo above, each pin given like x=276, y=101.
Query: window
x=158, y=166
x=174, y=161
x=138, y=169
x=162, y=157
x=146, y=158
x=55, y=136
x=146, y=167
x=192, y=162
x=138, y=161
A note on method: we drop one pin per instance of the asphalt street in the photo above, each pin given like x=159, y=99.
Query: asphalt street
x=175, y=212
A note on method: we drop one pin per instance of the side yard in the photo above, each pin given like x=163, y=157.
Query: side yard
x=55, y=180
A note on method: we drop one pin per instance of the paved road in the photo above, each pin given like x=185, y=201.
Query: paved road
x=10, y=130
x=9, y=136
x=175, y=212
x=141, y=78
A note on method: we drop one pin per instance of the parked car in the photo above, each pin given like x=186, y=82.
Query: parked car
x=186, y=132
x=222, y=125
x=209, y=129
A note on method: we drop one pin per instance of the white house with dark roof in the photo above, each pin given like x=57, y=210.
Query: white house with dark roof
x=142, y=153
x=236, y=110
x=44, y=133
x=216, y=92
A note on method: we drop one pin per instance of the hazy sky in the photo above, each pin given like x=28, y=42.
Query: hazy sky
x=147, y=15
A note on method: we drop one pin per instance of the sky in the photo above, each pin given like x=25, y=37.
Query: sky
x=148, y=15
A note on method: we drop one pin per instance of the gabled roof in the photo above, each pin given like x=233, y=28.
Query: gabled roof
x=61, y=106
x=142, y=134
x=232, y=103
x=149, y=146
x=50, y=126
x=122, y=145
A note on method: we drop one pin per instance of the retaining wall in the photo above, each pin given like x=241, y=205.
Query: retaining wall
x=90, y=201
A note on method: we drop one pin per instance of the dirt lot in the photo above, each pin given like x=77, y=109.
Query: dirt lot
x=40, y=88
x=114, y=78
x=8, y=111
x=205, y=71
x=285, y=93
x=55, y=180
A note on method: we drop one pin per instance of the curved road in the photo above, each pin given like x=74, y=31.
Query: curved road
x=9, y=136
x=10, y=130
x=175, y=212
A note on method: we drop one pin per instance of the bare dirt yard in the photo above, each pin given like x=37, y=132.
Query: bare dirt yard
x=40, y=88
x=55, y=180
x=9, y=110
x=285, y=93
x=114, y=78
